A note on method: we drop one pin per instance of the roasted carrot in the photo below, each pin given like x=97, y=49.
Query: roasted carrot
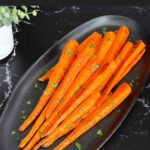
x=91, y=66
x=98, y=81
x=134, y=53
x=76, y=116
x=85, y=52
x=48, y=74
x=123, y=55
x=64, y=62
x=101, y=112
x=121, y=37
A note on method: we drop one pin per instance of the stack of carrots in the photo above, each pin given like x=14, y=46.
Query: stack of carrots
x=79, y=90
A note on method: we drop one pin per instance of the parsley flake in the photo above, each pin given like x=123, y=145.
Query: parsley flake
x=54, y=85
x=69, y=51
x=95, y=67
x=99, y=132
x=120, y=58
x=91, y=45
x=108, y=40
x=28, y=102
x=35, y=85
x=13, y=132
x=78, y=146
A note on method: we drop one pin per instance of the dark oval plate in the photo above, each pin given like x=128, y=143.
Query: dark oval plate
x=25, y=91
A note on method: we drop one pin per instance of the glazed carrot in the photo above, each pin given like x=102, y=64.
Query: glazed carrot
x=99, y=81
x=101, y=112
x=124, y=69
x=66, y=110
x=81, y=111
x=121, y=37
x=48, y=74
x=85, y=53
x=91, y=66
x=53, y=82
x=75, y=117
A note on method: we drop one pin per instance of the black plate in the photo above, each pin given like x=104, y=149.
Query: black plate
x=24, y=90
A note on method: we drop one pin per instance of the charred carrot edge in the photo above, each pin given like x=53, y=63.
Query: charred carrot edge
x=85, y=52
x=123, y=54
x=48, y=74
x=53, y=82
x=105, y=109
x=91, y=66
x=121, y=37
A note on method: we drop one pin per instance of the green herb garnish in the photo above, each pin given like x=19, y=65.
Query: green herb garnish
x=13, y=132
x=103, y=31
x=69, y=51
x=29, y=102
x=95, y=67
x=91, y=45
x=120, y=58
x=99, y=132
x=35, y=85
x=78, y=146
x=54, y=85
x=108, y=39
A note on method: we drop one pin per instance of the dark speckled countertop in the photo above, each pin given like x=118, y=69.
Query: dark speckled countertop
x=33, y=38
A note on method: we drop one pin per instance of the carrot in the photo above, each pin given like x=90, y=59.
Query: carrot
x=91, y=66
x=98, y=81
x=48, y=74
x=53, y=82
x=85, y=53
x=121, y=37
x=101, y=112
x=124, y=69
x=66, y=110
x=76, y=116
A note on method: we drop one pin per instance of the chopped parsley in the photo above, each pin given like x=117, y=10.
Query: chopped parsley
x=54, y=85
x=22, y=117
x=99, y=132
x=118, y=110
x=45, y=92
x=120, y=58
x=108, y=40
x=91, y=45
x=80, y=86
x=78, y=146
x=23, y=112
x=69, y=52
x=35, y=85
x=13, y=132
x=18, y=138
x=103, y=31
x=40, y=133
x=95, y=67
x=29, y=102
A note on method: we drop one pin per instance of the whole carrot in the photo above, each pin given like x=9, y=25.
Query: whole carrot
x=99, y=81
x=105, y=109
x=48, y=74
x=91, y=66
x=121, y=36
x=124, y=69
x=82, y=57
x=77, y=65
x=53, y=82
x=67, y=110
x=74, y=118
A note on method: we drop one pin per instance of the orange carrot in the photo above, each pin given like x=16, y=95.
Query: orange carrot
x=48, y=74
x=101, y=112
x=138, y=48
x=85, y=53
x=121, y=37
x=76, y=101
x=76, y=116
x=77, y=65
x=91, y=66
x=98, y=81
x=64, y=62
